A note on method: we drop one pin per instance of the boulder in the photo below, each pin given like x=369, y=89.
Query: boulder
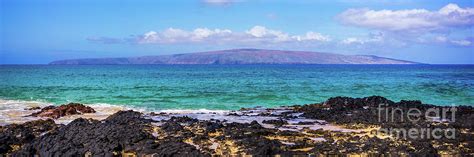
x=63, y=110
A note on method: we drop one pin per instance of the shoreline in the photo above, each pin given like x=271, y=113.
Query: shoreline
x=340, y=125
x=15, y=111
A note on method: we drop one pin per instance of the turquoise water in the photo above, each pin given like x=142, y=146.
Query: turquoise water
x=234, y=86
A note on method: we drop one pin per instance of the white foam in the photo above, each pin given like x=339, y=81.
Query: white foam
x=250, y=115
x=15, y=111
x=196, y=111
x=103, y=110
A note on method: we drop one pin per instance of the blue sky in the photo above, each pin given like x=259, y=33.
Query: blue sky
x=37, y=32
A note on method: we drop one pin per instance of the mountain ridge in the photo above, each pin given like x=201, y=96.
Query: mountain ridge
x=241, y=56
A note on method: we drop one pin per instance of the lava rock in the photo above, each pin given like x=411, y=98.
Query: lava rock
x=125, y=131
x=348, y=103
x=20, y=134
x=184, y=119
x=172, y=148
x=171, y=127
x=63, y=110
x=276, y=122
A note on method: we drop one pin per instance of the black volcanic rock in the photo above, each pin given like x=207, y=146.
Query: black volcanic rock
x=18, y=134
x=276, y=122
x=243, y=56
x=347, y=103
x=172, y=148
x=125, y=131
x=129, y=133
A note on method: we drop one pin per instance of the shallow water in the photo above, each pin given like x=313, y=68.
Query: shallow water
x=230, y=87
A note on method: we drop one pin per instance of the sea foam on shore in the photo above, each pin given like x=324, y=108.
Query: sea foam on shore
x=340, y=125
x=18, y=111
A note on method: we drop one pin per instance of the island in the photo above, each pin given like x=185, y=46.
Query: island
x=240, y=56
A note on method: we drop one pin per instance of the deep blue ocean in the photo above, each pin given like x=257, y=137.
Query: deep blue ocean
x=228, y=87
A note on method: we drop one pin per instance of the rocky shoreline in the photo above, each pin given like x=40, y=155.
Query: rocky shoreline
x=338, y=126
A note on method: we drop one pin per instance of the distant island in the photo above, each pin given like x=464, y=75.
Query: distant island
x=242, y=56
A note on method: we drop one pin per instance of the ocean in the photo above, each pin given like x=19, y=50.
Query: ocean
x=231, y=87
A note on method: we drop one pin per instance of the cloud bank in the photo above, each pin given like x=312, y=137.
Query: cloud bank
x=387, y=29
x=412, y=25
x=415, y=20
x=254, y=35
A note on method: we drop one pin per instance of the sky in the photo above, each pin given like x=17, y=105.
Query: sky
x=427, y=31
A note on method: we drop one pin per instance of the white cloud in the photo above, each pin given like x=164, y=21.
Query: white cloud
x=218, y=2
x=374, y=42
x=312, y=36
x=260, y=32
x=456, y=42
x=441, y=39
x=373, y=38
x=445, y=40
x=352, y=40
x=201, y=33
x=173, y=35
x=254, y=35
x=149, y=36
x=414, y=20
x=462, y=42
